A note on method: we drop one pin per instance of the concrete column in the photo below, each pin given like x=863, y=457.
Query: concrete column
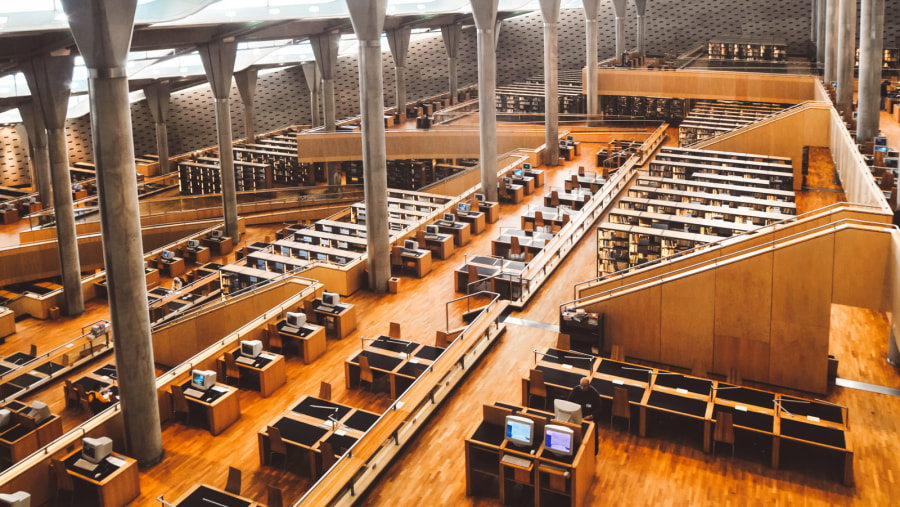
x=102, y=31
x=325, y=48
x=218, y=62
x=619, y=6
x=367, y=17
x=846, y=54
x=820, y=33
x=398, y=41
x=813, y=28
x=246, y=84
x=871, y=47
x=485, y=14
x=641, y=6
x=313, y=82
x=831, y=40
x=550, y=13
x=591, y=26
x=48, y=79
x=451, y=35
x=158, y=95
x=36, y=132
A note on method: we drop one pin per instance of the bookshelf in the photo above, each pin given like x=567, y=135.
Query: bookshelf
x=890, y=60
x=747, y=50
x=711, y=118
x=652, y=108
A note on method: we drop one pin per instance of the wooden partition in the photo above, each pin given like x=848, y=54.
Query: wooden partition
x=712, y=85
x=765, y=311
x=892, y=287
x=419, y=144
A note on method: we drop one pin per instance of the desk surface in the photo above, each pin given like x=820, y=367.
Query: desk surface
x=202, y=495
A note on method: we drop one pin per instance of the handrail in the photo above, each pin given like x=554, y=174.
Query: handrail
x=706, y=246
x=763, y=120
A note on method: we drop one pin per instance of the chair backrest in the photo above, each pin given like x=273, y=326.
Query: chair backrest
x=724, y=431
x=554, y=199
x=581, y=170
x=233, y=485
x=536, y=385
x=328, y=459
x=620, y=406
x=503, y=192
x=394, y=330
x=308, y=310
x=617, y=353
x=441, y=340
x=325, y=391
x=514, y=247
x=538, y=218
x=275, y=340
x=70, y=392
x=231, y=367
x=474, y=203
x=64, y=481
x=563, y=341
x=365, y=371
x=276, y=443
x=274, y=497
x=420, y=237
x=396, y=257
x=179, y=402
x=33, y=350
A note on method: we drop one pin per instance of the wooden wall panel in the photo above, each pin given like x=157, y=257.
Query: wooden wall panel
x=744, y=298
x=860, y=262
x=632, y=321
x=687, y=321
x=707, y=85
x=749, y=357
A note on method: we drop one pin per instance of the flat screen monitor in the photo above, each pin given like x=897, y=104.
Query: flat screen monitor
x=526, y=166
x=96, y=450
x=566, y=411
x=558, y=439
x=251, y=348
x=17, y=499
x=193, y=243
x=463, y=207
x=518, y=172
x=882, y=149
x=881, y=141
x=295, y=319
x=449, y=217
x=519, y=430
x=431, y=229
x=330, y=298
x=480, y=197
x=411, y=244
x=203, y=379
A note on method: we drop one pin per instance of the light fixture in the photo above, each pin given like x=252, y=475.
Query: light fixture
x=230, y=14
x=273, y=11
x=313, y=8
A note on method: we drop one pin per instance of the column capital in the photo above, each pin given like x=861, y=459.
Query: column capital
x=102, y=29
x=619, y=6
x=325, y=48
x=246, y=83
x=485, y=13
x=641, y=6
x=312, y=75
x=49, y=79
x=591, y=9
x=367, y=17
x=550, y=11
x=398, y=41
x=218, y=63
x=451, y=35
x=157, y=94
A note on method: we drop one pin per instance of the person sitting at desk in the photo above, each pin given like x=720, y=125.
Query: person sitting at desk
x=177, y=283
x=100, y=400
x=585, y=395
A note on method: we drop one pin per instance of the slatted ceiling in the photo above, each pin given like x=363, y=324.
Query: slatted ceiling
x=13, y=159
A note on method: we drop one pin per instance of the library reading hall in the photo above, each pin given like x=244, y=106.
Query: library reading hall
x=449, y=252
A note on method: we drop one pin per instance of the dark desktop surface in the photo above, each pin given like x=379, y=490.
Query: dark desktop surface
x=340, y=443
x=560, y=377
x=677, y=403
x=50, y=368
x=823, y=411
x=746, y=396
x=91, y=384
x=25, y=380
x=361, y=421
x=305, y=407
x=206, y=497
x=260, y=362
x=409, y=369
x=813, y=433
x=104, y=468
x=394, y=345
x=15, y=406
x=677, y=381
x=489, y=433
x=4, y=369
x=576, y=359
x=606, y=388
x=380, y=361
x=209, y=396
x=299, y=432
x=755, y=420
x=429, y=352
x=19, y=358
x=624, y=370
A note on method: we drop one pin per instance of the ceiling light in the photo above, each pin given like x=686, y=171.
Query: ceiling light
x=3, y=20
x=313, y=8
x=273, y=11
x=231, y=14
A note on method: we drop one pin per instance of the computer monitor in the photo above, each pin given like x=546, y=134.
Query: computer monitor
x=566, y=411
x=463, y=207
x=518, y=172
x=411, y=244
x=168, y=255
x=216, y=234
x=519, y=430
x=480, y=197
x=881, y=141
x=99, y=329
x=295, y=319
x=882, y=149
x=96, y=450
x=431, y=229
x=17, y=499
x=558, y=440
x=507, y=180
x=570, y=138
x=526, y=166
x=251, y=348
x=39, y=411
x=193, y=243
x=5, y=418
x=449, y=217
x=203, y=379
x=77, y=187
x=330, y=298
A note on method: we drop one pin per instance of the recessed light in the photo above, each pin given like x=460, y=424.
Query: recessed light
x=273, y=11
x=313, y=8
x=230, y=14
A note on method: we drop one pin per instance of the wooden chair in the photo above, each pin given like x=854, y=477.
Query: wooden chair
x=473, y=277
x=581, y=170
x=395, y=330
x=276, y=447
x=563, y=341
x=620, y=406
x=328, y=458
x=503, y=192
x=325, y=391
x=539, y=224
x=516, y=253
x=536, y=386
x=71, y=394
x=33, y=350
x=64, y=481
x=233, y=485
x=231, y=368
x=365, y=372
x=441, y=340
x=396, y=259
x=724, y=431
x=617, y=353
x=274, y=497
x=554, y=228
x=180, y=404
x=310, y=313
x=554, y=199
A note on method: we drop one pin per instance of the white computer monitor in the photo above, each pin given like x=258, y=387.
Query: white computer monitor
x=526, y=166
x=17, y=499
x=96, y=450
x=330, y=298
x=507, y=180
x=449, y=217
x=480, y=197
x=295, y=319
x=463, y=207
x=519, y=430
x=193, y=243
x=168, y=255
x=5, y=417
x=411, y=244
x=566, y=411
x=216, y=234
x=518, y=172
x=558, y=440
x=39, y=411
x=431, y=229
x=99, y=329
x=203, y=379
x=251, y=348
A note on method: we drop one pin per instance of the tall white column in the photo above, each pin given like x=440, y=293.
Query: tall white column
x=591, y=26
x=550, y=13
x=871, y=41
x=485, y=14
x=846, y=54
x=831, y=40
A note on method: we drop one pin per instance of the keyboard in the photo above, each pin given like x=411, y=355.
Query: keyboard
x=432, y=236
x=194, y=393
x=324, y=308
x=85, y=465
x=245, y=360
x=509, y=459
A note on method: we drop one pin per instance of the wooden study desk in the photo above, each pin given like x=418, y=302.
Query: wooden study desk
x=202, y=495
x=266, y=374
x=575, y=199
x=476, y=219
x=341, y=319
x=441, y=245
x=7, y=322
x=459, y=230
x=400, y=360
x=491, y=211
x=199, y=255
x=420, y=258
x=593, y=183
x=514, y=193
x=220, y=246
x=21, y=438
x=541, y=478
x=527, y=183
x=681, y=396
x=310, y=339
x=172, y=267
x=27, y=209
x=9, y=216
x=531, y=242
x=216, y=410
x=114, y=483
x=504, y=275
x=537, y=174
x=551, y=216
